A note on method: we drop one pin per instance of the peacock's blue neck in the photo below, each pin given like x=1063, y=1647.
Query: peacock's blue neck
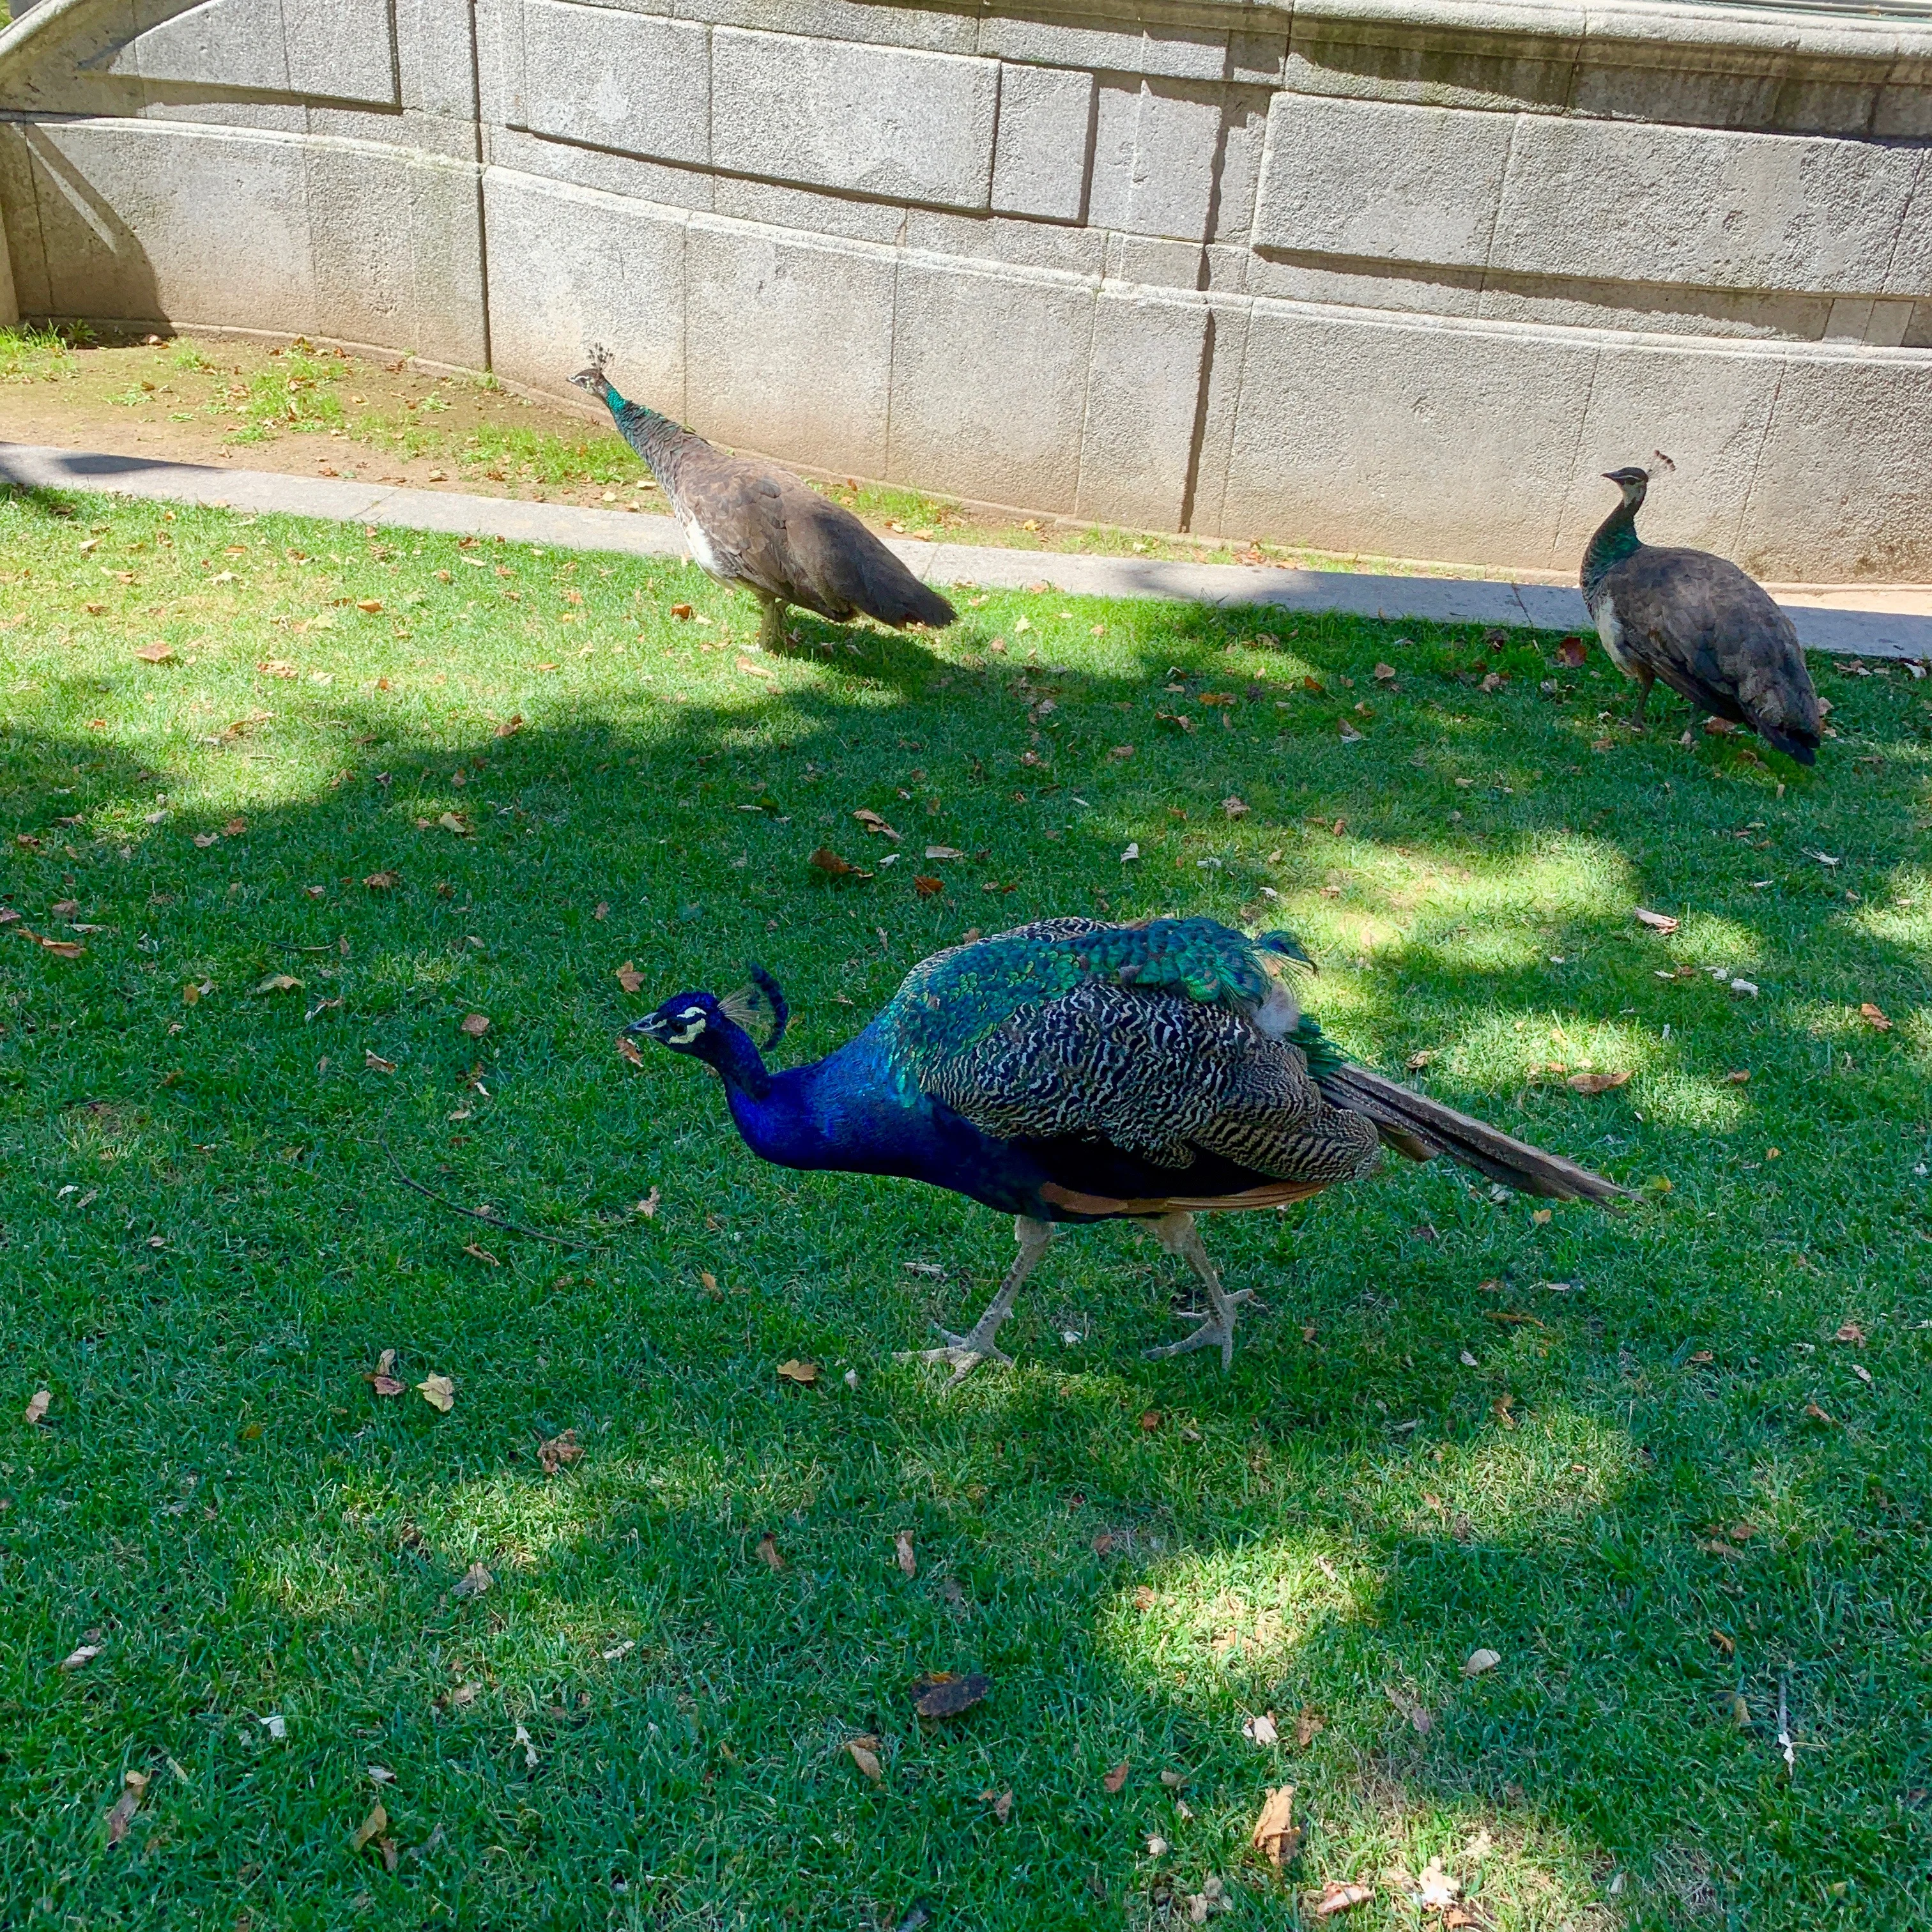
x=1616, y=539
x=651, y=434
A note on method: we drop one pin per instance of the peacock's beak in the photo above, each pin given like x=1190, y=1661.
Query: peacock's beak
x=649, y=1026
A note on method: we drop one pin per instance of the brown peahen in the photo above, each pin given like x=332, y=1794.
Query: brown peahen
x=1697, y=622
x=752, y=524
x=1073, y=1071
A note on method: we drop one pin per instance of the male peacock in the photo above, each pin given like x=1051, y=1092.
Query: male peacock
x=1072, y=1070
x=752, y=524
x=1699, y=623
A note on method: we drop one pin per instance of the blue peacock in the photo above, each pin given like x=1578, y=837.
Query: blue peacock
x=1072, y=1070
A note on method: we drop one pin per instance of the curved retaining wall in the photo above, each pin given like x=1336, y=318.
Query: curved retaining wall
x=1392, y=276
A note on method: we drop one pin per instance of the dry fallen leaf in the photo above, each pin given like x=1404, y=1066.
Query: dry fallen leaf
x=768, y=1552
x=1817, y=1414
x=383, y=1379
x=376, y=1063
x=1115, y=1778
x=439, y=1391
x=37, y=1404
x=629, y=978
x=79, y=1659
x=1479, y=1661
x=383, y=882
x=828, y=863
x=943, y=852
x=682, y=612
x=477, y=1252
x=1850, y=1331
x=475, y=1025
x=1658, y=922
x=628, y=1049
x=927, y=886
x=902, y=1547
x=872, y=822
x=1384, y=672
x=1262, y=1729
x=510, y=726
x=944, y=1695
x=1337, y=1896
x=864, y=1752
x=1874, y=1018
x=134, y=1784
x=156, y=653
x=1276, y=1835
x=278, y=983
x=1309, y=1723
x=455, y=822
x=373, y=1827
x=1598, y=1083
x=648, y=1206
x=558, y=1450
x=1436, y=1889
x=1235, y=807
x=371, y=604
x=473, y=1582
x=1002, y=1802
x=803, y=1373
x=1571, y=652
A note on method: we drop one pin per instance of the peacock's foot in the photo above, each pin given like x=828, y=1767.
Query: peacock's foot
x=962, y=1354
x=1216, y=1330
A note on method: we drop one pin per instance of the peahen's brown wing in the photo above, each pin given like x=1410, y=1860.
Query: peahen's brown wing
x=1715, y=637
x=1158, y=1075
x=765, y=528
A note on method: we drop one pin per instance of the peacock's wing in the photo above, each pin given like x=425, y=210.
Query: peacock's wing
x=835, y=565
x=1156, y=1074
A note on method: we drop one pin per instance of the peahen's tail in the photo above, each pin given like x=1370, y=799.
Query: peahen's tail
x=1414, y=1125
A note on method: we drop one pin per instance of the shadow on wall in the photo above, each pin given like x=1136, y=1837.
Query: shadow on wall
x=111, y=278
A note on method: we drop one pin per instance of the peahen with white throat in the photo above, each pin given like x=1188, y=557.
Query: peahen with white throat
x=1698, y=622
x=1075, y=1071
x=752, y=524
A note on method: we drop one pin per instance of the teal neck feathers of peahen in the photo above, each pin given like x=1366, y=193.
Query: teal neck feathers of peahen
x=954, y=1000
x=1616, y=539
x=651, y=434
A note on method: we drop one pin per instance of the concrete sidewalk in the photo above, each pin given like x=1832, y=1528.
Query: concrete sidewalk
x=1876, y=622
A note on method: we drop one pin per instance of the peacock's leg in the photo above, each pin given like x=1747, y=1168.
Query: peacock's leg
x=771, y=631
x=1645, y=679
x=966, y=1352
x=1178, y=1235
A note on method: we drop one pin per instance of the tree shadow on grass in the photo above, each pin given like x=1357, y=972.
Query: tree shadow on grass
x=259, y=1533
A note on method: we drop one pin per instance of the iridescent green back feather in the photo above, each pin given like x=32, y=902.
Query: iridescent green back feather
x=949, y=1003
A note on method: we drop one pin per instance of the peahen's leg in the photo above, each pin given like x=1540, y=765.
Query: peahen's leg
x=1644, y=679
x=771, y=630
x=966, y=1352
x=1178, y=1235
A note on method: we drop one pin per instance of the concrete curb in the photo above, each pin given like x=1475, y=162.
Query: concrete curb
x=1874, y=621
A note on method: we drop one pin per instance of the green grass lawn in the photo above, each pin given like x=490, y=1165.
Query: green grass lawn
x=1624, y=1452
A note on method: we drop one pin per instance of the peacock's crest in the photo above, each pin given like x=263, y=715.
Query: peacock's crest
x=951, y=1002
x=759, y=1006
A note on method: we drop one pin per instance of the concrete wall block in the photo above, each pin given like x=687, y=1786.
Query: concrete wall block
x=1051, y=245
x=1918, y=330
x=1610, y=89
x=869, y=120
x=571, y=269
x=1404, y=437
x=437, y=57
x=1143, y=393
x=1903, y=109
x=69, y=72
x=446, y=244
x=9, y=303
x=1707, y=408
x=1365, y=61
x=656, y=181
x=1244, y=147
x=1611, y=201
x=163, y=101
x=1040, y=150
x=340, y=49
x=1064, y=40
x=236, y=43
x=1156, y=152
x=1257, y=59
x=776, y=325
x=408, y=132
x=141, y=220
x=1145, y=260
x=930, y=29
x=989, y=382
x=1395, y=286
x=1224, y=351
x=1839, y=494
x=612, y=79
x=19, y=217
x=1654, y=308
x=360, y=249
x=1374, y=181
x=1910, y=271
x=808, y=211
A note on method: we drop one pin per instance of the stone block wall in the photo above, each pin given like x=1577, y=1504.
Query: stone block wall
x=1398, y=277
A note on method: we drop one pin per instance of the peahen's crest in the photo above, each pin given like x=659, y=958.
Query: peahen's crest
x=759, y=1006
x=950, y=1002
